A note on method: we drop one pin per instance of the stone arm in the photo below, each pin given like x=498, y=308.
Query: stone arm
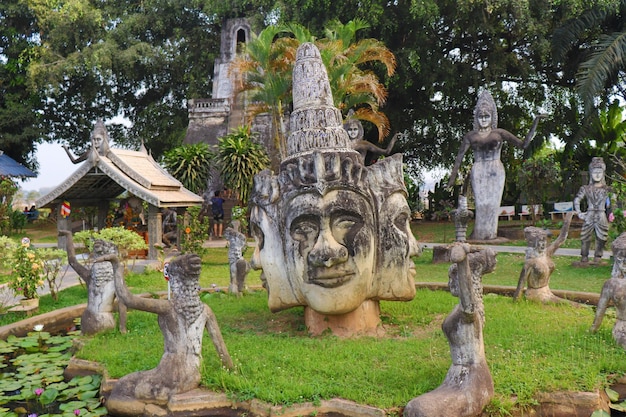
x=216, y=336
x=579, y=196
x=562, y=235
x=76, y=160
x=515, y=141
x=523, y=278
x=80, y=269
x=363, y=146
x=603, y=303
x=129, y=299
x=458, y=255
x=465, y=145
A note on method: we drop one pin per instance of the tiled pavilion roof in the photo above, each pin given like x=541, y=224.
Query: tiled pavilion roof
x=9, y=167
x=105, y=177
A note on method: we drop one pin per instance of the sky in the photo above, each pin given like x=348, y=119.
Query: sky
x=54, y=168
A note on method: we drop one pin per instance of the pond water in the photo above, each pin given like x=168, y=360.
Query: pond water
x=32, y=381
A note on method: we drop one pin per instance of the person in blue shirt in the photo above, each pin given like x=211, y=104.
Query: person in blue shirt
x=217, y=207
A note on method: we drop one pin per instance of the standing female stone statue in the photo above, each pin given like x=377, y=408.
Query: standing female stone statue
x=595, y=221
x=468, y=386
x=487, y=175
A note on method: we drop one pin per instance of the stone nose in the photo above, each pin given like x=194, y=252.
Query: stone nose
x=327, y=251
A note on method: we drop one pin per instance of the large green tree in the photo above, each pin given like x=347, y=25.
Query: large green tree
x=19, y=121
x=138, y=60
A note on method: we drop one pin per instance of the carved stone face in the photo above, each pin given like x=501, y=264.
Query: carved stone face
x=597, y=175
x=620, y=262
x=353, y=131
x=330, y=249
x=484, y=118
x=269, y=256
x=540, y=246
x=396, y=271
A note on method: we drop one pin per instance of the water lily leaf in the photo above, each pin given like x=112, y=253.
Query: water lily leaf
x=600, y=413
x=48, y=396
x=72, y=405
x=618, y=407
x=8, y=386
x=87, y=395
x=6, y=412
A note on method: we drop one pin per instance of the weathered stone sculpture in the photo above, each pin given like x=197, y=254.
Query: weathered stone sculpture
x=354, y=127
x=462, y=215
x=595, y=220
x=182, y=320
x=539, y=265
x=332, y=234
x=98, y=316
x=99, y=143
x=614, y=293
x=468, y=386
x=239, y=267
x=487, y=174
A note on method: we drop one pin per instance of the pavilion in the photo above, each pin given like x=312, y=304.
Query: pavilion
x=107, y=173
x=9, y=167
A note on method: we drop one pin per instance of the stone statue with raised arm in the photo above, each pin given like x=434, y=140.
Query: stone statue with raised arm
x=595, y=221
x=614, y=293
x=99, y=143
x=468, y=385
x=182, y=320
x=539, y=264
x=487, y=174
x=354, y=127
x=98, y=316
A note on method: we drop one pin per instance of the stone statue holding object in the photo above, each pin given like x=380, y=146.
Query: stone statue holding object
x=539, y=264
x=239, y=267
x=182, y=320
x=332, y=234
x=98, y=316
x=468, y=385
x=614, y=293
x=487, y=174
x=462, y=215
x=595, y=221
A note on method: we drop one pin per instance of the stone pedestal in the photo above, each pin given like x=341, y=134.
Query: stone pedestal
x=365, y=320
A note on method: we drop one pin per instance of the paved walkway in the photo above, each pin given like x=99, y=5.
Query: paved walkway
x=70, y=278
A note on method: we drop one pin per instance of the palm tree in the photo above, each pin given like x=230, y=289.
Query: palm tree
x=266, y=69
x=603, y=68
x=190, y=164
x=264, y=73
x=239, y=159
x=352, y=86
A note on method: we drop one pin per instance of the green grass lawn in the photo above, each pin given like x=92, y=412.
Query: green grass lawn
x=530, y=347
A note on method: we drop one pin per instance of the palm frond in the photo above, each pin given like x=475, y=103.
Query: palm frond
x=608, y=58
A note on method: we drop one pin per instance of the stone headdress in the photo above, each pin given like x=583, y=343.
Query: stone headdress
x=486, y=102
x=319, y=155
